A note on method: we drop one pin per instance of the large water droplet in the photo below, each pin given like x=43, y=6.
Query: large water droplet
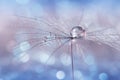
x=77, y=32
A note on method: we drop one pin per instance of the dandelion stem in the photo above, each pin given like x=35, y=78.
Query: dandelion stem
x=72, y=58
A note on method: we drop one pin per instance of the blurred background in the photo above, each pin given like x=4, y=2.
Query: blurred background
x=101, y=62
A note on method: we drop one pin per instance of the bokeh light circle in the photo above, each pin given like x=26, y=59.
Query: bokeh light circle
x=103, y=76
x=60, y=75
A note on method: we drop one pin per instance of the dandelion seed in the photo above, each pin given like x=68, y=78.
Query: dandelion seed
x=49, y=34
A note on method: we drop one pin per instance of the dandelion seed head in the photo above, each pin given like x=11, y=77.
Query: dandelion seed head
x=50, y=36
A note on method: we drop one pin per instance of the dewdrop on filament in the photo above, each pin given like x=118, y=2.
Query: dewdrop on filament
x=77, y=32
